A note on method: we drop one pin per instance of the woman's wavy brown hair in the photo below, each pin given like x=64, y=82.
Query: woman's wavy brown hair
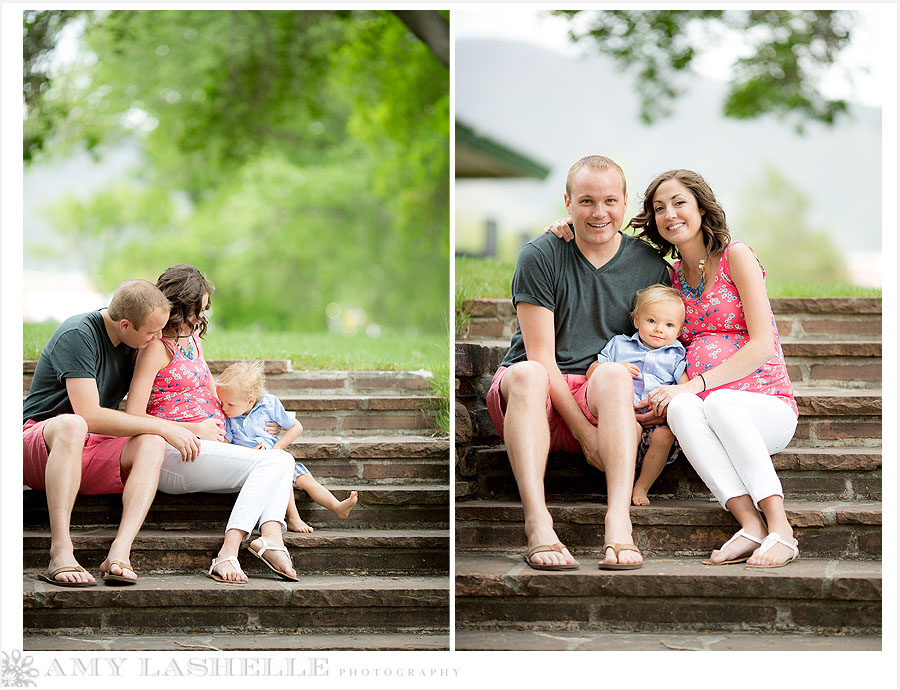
x=712, y=220
x=184, y=286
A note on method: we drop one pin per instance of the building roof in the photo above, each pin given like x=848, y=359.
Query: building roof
x=479, y=156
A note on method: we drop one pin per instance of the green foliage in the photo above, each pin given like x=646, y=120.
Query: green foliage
x=771, y=218
x=789, y=51
x=298, y=158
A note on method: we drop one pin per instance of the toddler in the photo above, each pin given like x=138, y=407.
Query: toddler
x=248, y=408
x=654, y=357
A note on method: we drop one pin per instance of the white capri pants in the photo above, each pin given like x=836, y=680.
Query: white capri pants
x=263, y=480
x=729, y=439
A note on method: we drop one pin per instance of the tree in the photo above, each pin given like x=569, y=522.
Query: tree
x=771, y=217
x=301, y=156
x=790, y=50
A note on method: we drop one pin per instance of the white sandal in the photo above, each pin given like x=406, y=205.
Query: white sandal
x=740, y=533
x=771, y=540
x=218, y=578
x=266, y=547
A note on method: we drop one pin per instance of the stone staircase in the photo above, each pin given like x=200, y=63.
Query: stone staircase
x=831, y=473
x=378, y=580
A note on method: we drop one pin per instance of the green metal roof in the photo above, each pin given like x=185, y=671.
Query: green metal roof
x=478, y=156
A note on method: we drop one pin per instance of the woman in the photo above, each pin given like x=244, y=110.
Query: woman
x=738, y=407
x=172, y=380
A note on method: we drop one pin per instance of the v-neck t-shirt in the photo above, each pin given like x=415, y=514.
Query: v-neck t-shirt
x=590, y=305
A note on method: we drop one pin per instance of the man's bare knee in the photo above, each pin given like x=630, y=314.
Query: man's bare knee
x=610, y=382
x=662, y=435
x=526, y=381
x=65, y=430
x=146, y=450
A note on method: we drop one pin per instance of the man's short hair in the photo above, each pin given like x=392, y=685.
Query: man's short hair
x=594, y=163
x=135, y=300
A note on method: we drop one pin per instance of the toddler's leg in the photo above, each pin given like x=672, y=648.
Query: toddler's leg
x=661, y=441
x=319, y=494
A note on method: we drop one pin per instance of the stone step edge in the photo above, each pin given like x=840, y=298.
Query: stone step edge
x=321, y=538
x=791, y=345
x=780, y=305
x=790, y=459
x=425, y=640
x=803, y=513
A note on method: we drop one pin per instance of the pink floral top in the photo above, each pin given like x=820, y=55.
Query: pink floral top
x=715, y=328
x=181, y=389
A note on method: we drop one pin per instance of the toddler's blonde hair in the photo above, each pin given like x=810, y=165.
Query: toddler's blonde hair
x=655, y=293
x=248, y=377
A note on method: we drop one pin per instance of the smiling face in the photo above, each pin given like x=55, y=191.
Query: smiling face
x=676, y=212
x=659, y=323
x=596, y=206
x=234, y=402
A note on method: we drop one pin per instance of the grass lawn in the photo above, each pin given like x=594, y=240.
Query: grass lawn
x=388, y=352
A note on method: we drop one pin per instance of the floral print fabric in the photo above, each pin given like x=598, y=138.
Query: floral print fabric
x=181, y=390
x=715, y=328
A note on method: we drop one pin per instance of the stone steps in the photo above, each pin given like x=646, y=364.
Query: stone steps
x=282, y=379
x=807, y=473
x=182, y=604
x=425, y=506
x=671, y=527
x=328, y=551
x=499, y=592
x=374, y=459
x=807, y=317
x=233, y=642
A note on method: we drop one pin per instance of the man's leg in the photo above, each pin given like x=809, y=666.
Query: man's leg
x=610, y=399
x=64, y=437
x=140, y=462
x=524, y=388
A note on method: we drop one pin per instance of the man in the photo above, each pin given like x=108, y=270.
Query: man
x=75, y=440
x=570, y=298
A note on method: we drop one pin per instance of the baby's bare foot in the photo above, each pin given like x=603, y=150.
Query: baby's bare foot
x=297, y=525
x=344, y=507
x=639, y=497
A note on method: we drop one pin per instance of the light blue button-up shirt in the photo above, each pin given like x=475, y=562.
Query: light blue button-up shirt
x=250, y=429
x=660, y=367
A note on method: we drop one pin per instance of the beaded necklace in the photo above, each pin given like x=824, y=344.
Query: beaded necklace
x=189, y=353
x=686, y=289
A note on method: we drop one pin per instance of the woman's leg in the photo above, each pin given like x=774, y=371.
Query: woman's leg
x=752, y=427
x=704, y=450
x=746, y=429
x=262, y=479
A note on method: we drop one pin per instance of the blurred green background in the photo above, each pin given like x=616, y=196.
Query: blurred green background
x=300, y=159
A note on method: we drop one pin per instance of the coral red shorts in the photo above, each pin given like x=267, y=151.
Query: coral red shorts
x=100, y=465
x=560, y=436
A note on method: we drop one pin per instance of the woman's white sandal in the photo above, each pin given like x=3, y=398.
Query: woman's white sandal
x=266, y=547
x=218, y=578
x=771, y=540
x=740, y=533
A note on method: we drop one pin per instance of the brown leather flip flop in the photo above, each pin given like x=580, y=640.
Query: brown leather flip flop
x=603, y=565
x=50, y=577
x=558, y=547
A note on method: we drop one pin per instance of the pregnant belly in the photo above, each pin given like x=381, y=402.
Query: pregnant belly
x=711, y=349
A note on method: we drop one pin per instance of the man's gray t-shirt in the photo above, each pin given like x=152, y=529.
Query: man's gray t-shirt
x=79, y=349
x=590, y=305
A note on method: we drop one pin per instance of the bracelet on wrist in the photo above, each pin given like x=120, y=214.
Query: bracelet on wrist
x=704, y=382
